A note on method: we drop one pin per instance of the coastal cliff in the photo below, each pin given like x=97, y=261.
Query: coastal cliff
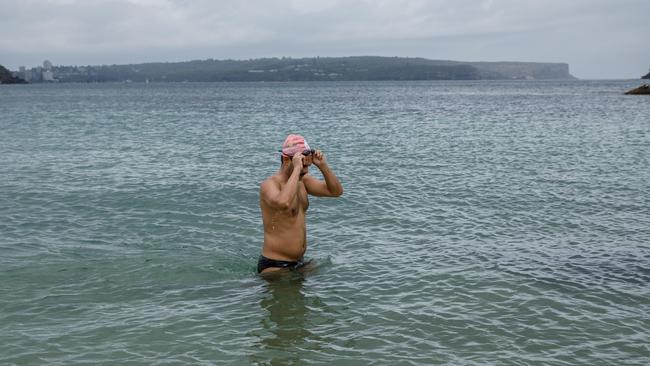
x=646, y=76
x=7, y=78
x=523, y=70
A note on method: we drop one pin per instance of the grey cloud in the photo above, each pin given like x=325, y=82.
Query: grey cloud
x=587, y=34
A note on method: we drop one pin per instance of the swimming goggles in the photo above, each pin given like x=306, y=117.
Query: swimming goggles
x=307, y=152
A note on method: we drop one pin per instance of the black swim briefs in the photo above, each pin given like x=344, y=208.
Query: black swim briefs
x=264, y=263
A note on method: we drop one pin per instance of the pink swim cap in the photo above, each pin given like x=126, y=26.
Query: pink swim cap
x=294, y=144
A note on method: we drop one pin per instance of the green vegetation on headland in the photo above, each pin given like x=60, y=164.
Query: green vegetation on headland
x=7, y=78
x=313, y=69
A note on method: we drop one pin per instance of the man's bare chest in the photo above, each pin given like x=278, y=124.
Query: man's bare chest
x=300, y=202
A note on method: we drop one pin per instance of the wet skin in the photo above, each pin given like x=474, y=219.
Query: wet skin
x=284, y=202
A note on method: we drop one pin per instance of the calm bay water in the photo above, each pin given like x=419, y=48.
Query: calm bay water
x=483, y=223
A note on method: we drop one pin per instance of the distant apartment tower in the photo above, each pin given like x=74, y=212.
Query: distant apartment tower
x=24, y=73
x=48, y=74
x=37, y=74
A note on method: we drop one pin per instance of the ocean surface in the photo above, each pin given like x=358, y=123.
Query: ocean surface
x=483, y=223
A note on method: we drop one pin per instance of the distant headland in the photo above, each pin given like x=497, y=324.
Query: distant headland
x=646, y=76
x=6, y=77
x=356, y=68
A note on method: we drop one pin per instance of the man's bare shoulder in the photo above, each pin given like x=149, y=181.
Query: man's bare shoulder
x=270, y=183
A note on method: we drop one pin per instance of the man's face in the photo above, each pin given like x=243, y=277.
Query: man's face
x=307, y=160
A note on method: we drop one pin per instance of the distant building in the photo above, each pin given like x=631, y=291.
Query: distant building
x=37, y=74
x=25, y=74
x=48, y=75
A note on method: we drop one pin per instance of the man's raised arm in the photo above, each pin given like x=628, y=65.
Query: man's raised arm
x=331, y=187
x=281, y=198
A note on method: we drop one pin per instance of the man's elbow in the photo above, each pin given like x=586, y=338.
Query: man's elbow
x=338, y=192
x=282, y=205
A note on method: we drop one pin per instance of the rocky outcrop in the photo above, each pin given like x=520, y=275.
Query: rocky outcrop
x=646, y=76
x=643, y=89
x=7, y=78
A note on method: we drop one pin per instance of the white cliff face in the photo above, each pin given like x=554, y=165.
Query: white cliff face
x=523, y=70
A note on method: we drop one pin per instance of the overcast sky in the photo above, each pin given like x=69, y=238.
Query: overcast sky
x=598, y=38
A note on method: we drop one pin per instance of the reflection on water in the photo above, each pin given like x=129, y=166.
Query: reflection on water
x=285, y=323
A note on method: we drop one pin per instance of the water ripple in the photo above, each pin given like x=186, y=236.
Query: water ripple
x=483, y=223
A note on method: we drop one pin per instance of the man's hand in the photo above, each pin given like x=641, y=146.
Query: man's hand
x=319, y=159
x=331, y=187
x=297, y=161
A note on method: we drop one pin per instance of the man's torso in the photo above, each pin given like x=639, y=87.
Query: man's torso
x=285, y=236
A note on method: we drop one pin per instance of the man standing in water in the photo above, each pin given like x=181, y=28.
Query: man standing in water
x=284, y=203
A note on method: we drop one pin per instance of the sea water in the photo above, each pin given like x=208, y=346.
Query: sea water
x=483, y=223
